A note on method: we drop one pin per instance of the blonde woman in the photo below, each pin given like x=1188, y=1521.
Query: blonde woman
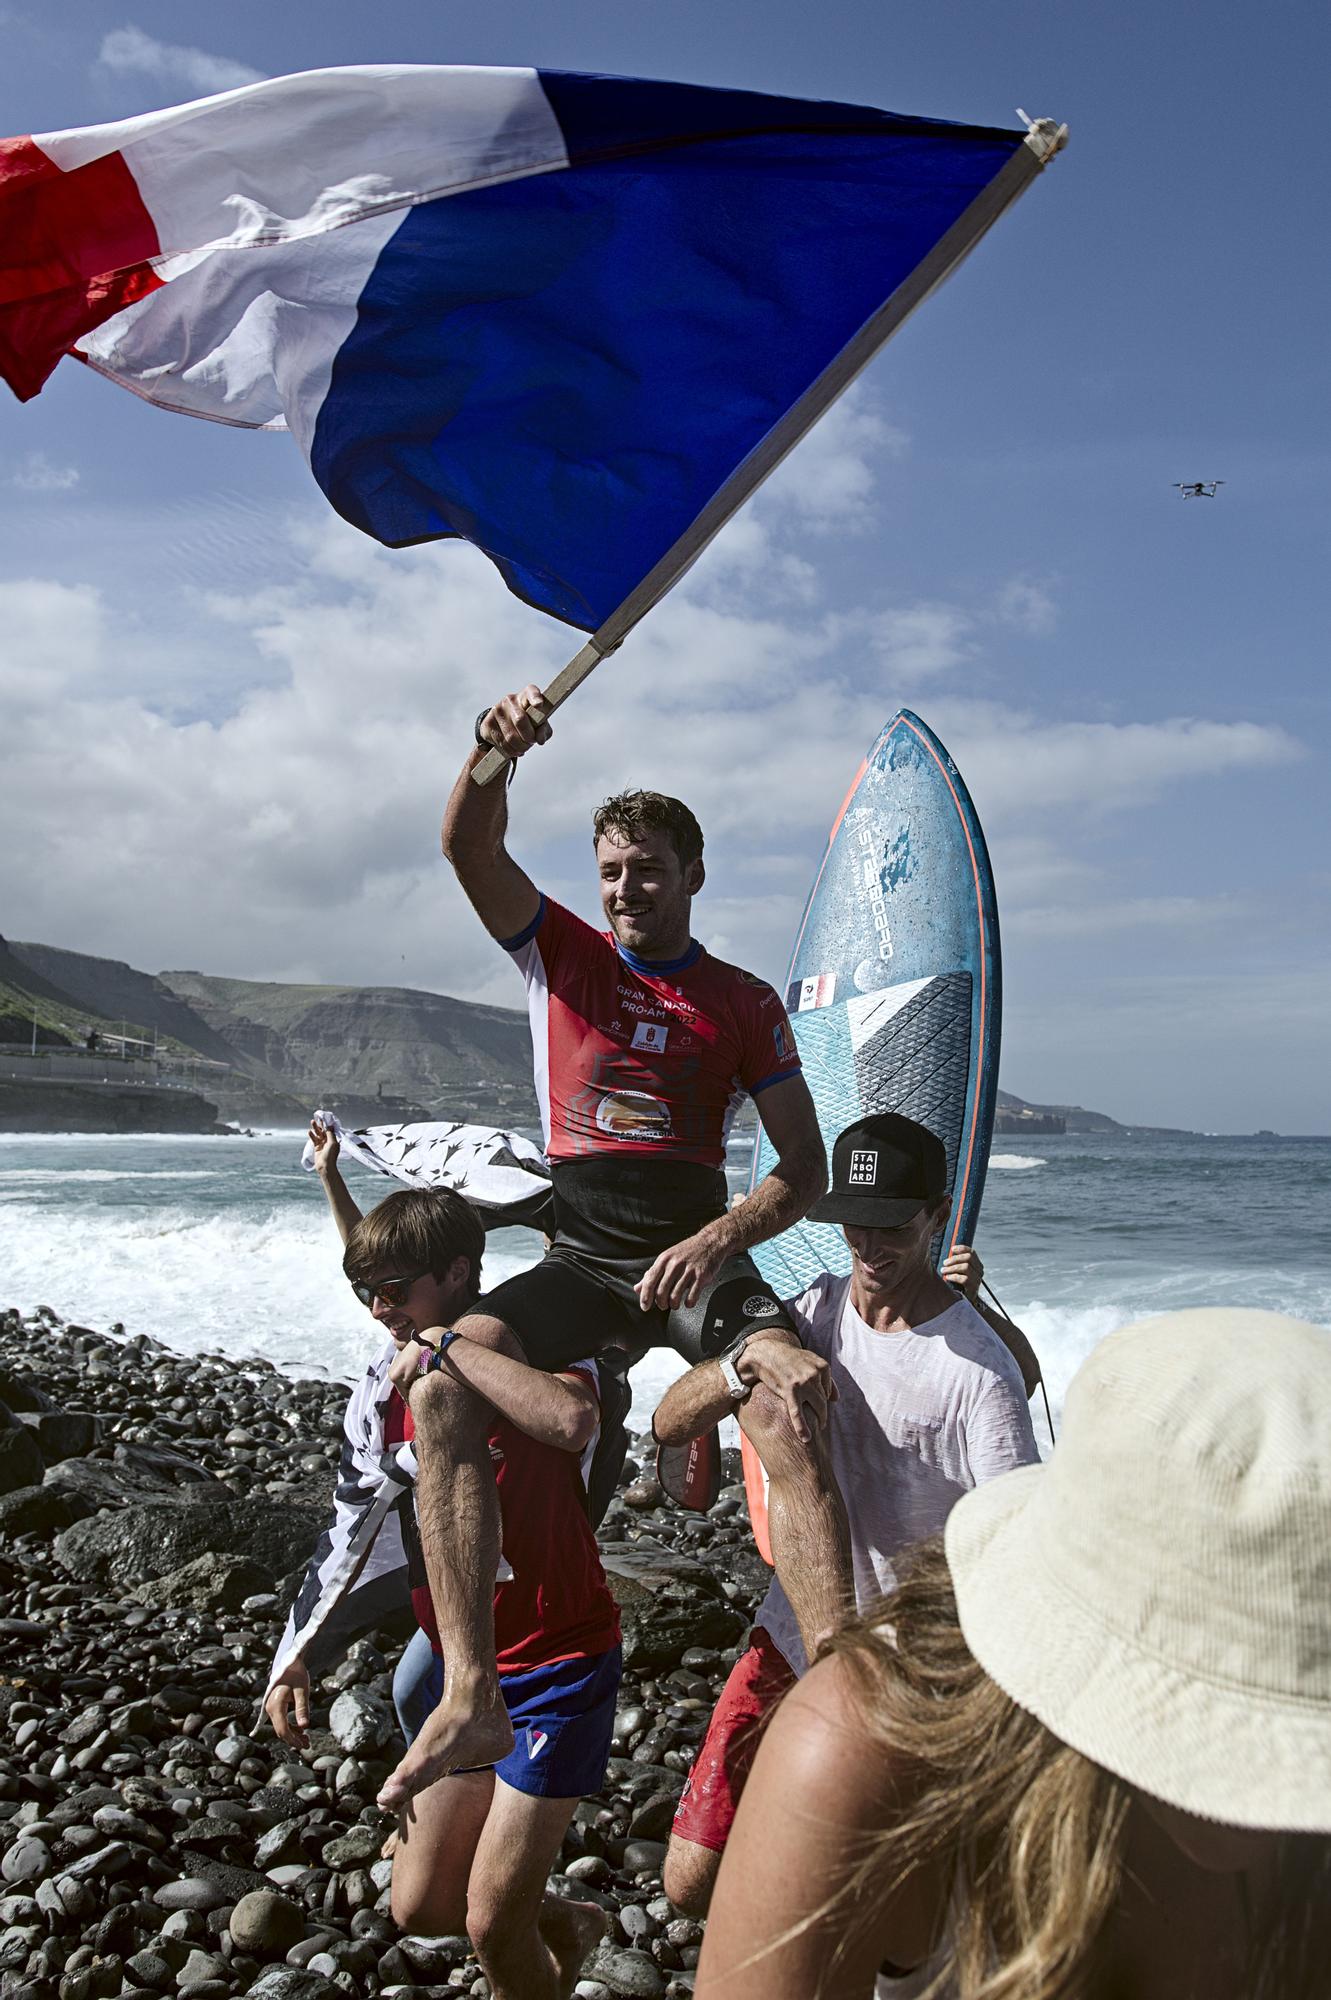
x=1084, y=1751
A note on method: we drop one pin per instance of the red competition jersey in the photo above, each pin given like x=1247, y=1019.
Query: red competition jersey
x=641, y=1055
x=556, y=1605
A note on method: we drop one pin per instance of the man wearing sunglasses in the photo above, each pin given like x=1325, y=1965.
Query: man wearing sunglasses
x=643, y=1045
x=473, y=1856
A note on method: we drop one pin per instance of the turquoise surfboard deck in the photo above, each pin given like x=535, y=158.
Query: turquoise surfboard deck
x=894, y=988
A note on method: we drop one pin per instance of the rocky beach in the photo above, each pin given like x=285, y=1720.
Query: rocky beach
x=156, y=1511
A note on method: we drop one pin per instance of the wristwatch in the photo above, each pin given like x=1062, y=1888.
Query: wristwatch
x=740, y=1390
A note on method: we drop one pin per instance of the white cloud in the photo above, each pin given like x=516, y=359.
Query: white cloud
x=1028, y=605
x=296, y=834
x=830, y=479
x=128, y=51
x=1016, y=763
x=37, y=474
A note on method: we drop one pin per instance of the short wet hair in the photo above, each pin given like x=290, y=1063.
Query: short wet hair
x=416, y=1229
x=629, y=815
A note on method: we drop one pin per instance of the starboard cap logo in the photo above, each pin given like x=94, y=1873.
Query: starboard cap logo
x=863, y=1169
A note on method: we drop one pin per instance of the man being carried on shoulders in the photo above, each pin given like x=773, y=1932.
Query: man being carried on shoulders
x=643, y=1044
x=928, y=1401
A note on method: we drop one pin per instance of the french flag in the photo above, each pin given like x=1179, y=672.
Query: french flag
x=571, y=319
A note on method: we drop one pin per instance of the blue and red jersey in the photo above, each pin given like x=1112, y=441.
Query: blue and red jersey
x=641, y=1055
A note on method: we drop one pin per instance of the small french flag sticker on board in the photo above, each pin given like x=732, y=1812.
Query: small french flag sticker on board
x=818, y=991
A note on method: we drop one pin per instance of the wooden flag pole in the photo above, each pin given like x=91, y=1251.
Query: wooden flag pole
x=1043, y=139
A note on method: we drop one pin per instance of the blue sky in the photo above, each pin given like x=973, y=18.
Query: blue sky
x=231, y=723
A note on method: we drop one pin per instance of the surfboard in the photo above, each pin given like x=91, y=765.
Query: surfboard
x=894, y=993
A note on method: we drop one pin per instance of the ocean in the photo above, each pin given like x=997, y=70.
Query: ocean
x=226, y=1244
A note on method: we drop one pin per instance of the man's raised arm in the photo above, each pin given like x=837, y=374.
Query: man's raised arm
x=503, y=895
x=783, y=1197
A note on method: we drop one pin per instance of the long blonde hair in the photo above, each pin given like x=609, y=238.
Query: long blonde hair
x=1029, y=1833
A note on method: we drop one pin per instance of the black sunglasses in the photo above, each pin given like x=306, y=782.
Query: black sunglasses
x=393, y=1291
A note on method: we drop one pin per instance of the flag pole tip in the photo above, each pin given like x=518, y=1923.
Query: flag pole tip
x=1045, y=136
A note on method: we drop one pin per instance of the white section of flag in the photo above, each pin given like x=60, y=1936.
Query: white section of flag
x=243, y=339
x=299, y=155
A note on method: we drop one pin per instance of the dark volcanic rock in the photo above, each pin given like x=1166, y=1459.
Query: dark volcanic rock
x=210, y=1583
x=667, y=1603
x=121, y=1484
x=21, y=1461
x=61, y=1433
x=20, y=1391
x=40, y=1510
x=153, y=1538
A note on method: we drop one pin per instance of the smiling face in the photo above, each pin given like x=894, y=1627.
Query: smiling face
x=646, y=894
x=890, y=1260
x=430, y=1302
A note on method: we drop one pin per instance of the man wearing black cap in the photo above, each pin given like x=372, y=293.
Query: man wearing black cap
x=926, y=1402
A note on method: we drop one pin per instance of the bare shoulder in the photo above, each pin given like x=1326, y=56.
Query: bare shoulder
x=789, y=1900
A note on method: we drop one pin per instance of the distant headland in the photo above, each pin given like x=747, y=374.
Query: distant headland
x=94, y=1045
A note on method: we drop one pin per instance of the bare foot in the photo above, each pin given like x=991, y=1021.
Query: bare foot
x=572, y=1932
x=461, y=1735
x=389, y=1848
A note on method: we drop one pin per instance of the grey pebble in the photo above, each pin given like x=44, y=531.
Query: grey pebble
x=631, y=1974
x=360, y=1723
x=191, y=1893
x=26, y=1861
x=265, y=1923
x=198, y=1967
x=362, y=1843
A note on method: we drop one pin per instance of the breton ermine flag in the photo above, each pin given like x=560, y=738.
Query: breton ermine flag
x=571, y=319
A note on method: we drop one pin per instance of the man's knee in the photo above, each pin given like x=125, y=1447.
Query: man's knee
x=498, y=1927
x=444, y=1407
x=423, y=1906
x=689, y=1875
x=766, y=1423
x=487, y=1331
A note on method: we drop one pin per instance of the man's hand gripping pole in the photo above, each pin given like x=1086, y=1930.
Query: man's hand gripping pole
x=561, y=687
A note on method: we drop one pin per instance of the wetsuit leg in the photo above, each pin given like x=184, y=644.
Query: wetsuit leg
x=739, y=1302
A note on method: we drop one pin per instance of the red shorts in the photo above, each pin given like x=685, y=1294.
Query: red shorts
x=711, y=1797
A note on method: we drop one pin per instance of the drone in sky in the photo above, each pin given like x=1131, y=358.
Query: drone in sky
x=1198, y=489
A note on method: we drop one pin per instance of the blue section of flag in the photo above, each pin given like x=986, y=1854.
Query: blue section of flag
x=564, y=369
x=599, y=115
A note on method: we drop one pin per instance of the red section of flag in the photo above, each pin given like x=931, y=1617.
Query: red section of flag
x=77, y=248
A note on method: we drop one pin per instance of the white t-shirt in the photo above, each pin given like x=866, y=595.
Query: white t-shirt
x=921, y=1418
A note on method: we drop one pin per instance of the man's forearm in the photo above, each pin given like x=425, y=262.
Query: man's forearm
x=783, y=1198
x=475, y=818
x=545, y=1408
x=346, y=1213
x=691, y=1406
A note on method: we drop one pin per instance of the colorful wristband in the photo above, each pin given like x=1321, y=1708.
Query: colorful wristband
x=431, y=1357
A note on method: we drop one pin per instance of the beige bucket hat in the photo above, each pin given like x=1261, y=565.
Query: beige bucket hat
x=1159, y=1594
